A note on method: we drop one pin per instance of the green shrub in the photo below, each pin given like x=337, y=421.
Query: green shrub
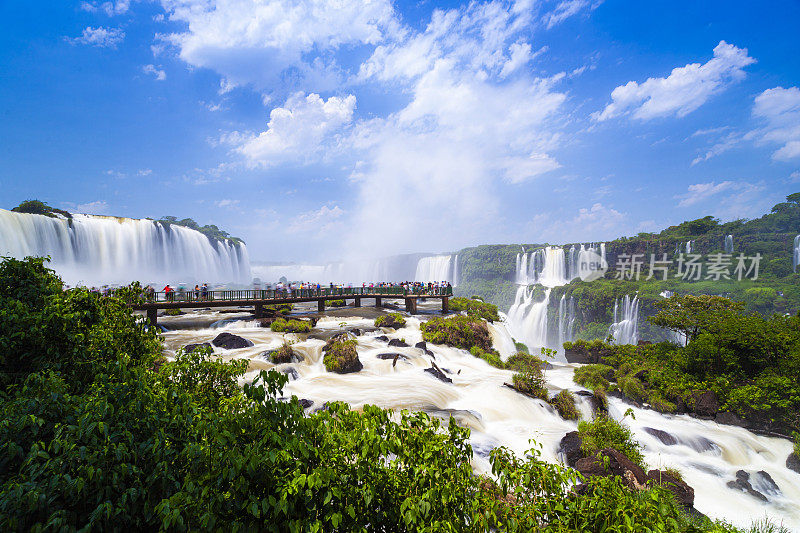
x=475, y=308
x=390, y=320
x=284, y=354
x=521, y=347
x=531, y=383
x=40, y=208
x=281, y=325
x=340, y=356
x=337, y=303
x=564, y=403
x=283, y=309
x=631, y=387
x=173, y=312
x=457, y=331
x=605, y=432
x=594, y=376
x=490, y=356
x=524, y=362
x=658, y=403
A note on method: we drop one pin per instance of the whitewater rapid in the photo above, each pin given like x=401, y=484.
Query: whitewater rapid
x=707, y=454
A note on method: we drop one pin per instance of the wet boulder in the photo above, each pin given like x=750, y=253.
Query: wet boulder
x=438, y=374
x=706, y=403
x=284, y=354
x=382, y=338
x=291, y=373
x=684, y=494
x=230, y=342
x=422, y=345
x=338, y=338
x=398, y=343
x=618, y=465
x=742, y=483
x=342, y=358
x=189, y=348
x=305, y=403
x=793, y=462
x=668, y=439
x=586, y=354
x=570, y=448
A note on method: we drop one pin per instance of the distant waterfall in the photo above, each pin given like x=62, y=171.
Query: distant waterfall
x=97, y=250
x=796, y=252
x=454, y=281
x=729, y=244
x=625, y=328
x=434, y=268
x=566, y=320
x=528, y=318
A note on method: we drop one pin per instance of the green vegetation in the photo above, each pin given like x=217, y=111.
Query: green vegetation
x=282, y=309
x=564, y=403
x=340, y=356
x=605, y=432
x=523, y=361
x=96, y=434
x=594, y=377
x=475, y=308
x=337, y=303
x=211, y=231
x=284, y=354
x=457, y=331
x=521, y=347
x=37, y=207
x=281, y=325
x=531, y=383
x=390, y=320
x=173, y=312
x=490, y=356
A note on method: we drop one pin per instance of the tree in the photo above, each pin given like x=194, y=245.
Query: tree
x=692, y=315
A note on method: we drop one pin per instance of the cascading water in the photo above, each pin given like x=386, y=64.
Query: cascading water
x=434, y=268
x=625, y=329
x=454, y=281
x=97, y=250
x=796, y=252
x=729, y=244
x=566, y=319
x=707, y=454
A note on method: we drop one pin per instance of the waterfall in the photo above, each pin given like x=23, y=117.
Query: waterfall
x=97, y=250
x=729, y=244
x=689, y=245
x=434, y=268
x=455, y=271
x=553, y=273
x=796, y=253
x=528, y=318
x=566, y=320
x=625, y=328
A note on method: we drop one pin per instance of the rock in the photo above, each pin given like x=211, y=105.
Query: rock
x=570, y=448
x=339, y=337
x=292, y=373
x=705, y=403
x=793, y=462
x=684, y=494
x=189, y=348
x=587, y=356
x=230, y=342
x=742, y=483
x=702, y=444
x=389, y=321
x=618, y=465
x=730, y=419
x=282, y=355
x=765, y=483
x=422, y=345
x=382, y=338
x=665, y=438
x=397, y=343
x=390, y=356
x=438, y=374
x=304, y=403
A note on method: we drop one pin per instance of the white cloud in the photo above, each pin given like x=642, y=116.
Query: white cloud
x=780, y=109
x=227, y=202
x=297, y=131
x=145, y=172
x=726, y=143
x=318, y=222
x=568, y=8
x=794, y=177
x=111, y=9
x=259, y=41
x=159, y=74
x=598, y=222
x=741, y=199
x=683, y=91
x=98, y=207
x=100, y=37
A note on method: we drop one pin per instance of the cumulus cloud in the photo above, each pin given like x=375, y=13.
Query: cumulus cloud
x=683, y=91
x=298, y=131
x=779, y=108
x=260, y=42
x=119, y=7
x=159, y=74
x=702, y=191
x=100, y=37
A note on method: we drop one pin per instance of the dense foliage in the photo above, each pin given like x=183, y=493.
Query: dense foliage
x=605, y=432
x=37, y=207
x=340, y=355
x=97, y=434
x=282, y=325
x=390, y=320
x=210, y=230
x=475, y=308
x=457, y=331
x=564, y=403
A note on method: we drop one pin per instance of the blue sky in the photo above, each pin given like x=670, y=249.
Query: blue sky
x=323, y=130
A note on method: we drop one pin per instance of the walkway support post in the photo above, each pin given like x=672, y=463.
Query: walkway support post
x=152, y=316
x=356, y=302
x=445, y=304
x=321, y=306
x=377, y=302
x=411, y=306
x=258, y=310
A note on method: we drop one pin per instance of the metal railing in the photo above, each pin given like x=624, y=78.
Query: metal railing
x=190, y=296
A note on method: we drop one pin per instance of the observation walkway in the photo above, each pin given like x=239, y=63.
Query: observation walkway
x=259, y=298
